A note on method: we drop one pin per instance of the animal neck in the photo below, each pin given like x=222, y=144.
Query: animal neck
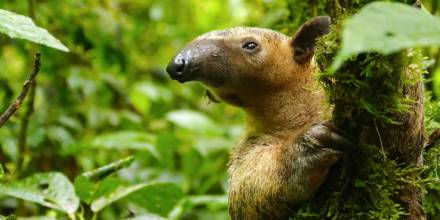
x=291, y=109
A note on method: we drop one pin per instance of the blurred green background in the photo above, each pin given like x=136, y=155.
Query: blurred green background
x=110, y=98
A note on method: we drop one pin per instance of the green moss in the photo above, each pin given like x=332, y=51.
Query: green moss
x=431, y=198
x=369, y=85
x=368, y=90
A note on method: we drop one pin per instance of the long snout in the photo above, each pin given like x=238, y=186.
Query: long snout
x=200, y=60
x=180, y=67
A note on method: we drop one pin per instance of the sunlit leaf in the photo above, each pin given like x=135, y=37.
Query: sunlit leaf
x=205, y=146
x=19, y=26
x=212, y=200
x=436, y=81
x=51, y=189
x=140, y=100
x=126, y=140
x=191, y=120
x=144, y=94
x=387, y=27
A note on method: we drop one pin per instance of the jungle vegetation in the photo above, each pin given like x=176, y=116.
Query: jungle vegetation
x=103, y=133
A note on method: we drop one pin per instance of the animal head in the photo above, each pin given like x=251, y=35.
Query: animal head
x=238, y=63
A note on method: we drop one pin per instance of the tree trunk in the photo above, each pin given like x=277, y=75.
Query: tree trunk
x=382, y=112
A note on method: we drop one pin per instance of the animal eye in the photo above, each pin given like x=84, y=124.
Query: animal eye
x=250, y=45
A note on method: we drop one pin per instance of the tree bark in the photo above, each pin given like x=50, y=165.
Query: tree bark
x=402, y=140
x=396, y=133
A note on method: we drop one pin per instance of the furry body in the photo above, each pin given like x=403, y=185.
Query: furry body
x=284, y=155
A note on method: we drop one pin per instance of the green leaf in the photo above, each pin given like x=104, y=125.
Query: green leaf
x=191, y=120
x=19, y=26
x=50, y=189
x=359, y=183
x=140, y=100
x=206, y=146
x=145, y=95
x=86, y=183
x=2, y=171
x=220, y=200
x=159, y=198
x=85, y=189
x=386, y=27
x=126, y=140
x=110, y=191
x=9, y=217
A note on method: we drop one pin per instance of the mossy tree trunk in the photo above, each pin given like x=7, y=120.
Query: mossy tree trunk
x=379, y=102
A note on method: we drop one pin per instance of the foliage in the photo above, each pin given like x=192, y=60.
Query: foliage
x=18, y=26
x=366, y=85
x=109, y=98
x=52, y=189
x=387, y=27
x=432, y=158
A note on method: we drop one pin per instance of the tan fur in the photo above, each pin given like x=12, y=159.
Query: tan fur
x=276, y=92
x=272, y=166
x=281, y=99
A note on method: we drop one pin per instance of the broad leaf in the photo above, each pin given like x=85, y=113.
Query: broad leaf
x=159, y=198
x=85, y=189
x=387, y=27
x=112, y=191
x=144, y=95
x=87, y=184
x=191, y=120
x=126, y=140
x=19, y=26
x=51, y=189
x=205, y=146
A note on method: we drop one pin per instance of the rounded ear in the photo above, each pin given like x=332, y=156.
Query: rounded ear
x=303, y=42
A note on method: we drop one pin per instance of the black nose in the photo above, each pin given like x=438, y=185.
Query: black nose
x=179, y=68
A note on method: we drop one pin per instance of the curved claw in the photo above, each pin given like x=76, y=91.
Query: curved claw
x=329, y=136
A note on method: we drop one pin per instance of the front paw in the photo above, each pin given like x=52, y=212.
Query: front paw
x=326, y=135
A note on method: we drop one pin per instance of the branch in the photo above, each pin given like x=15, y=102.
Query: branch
x=26, y=87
